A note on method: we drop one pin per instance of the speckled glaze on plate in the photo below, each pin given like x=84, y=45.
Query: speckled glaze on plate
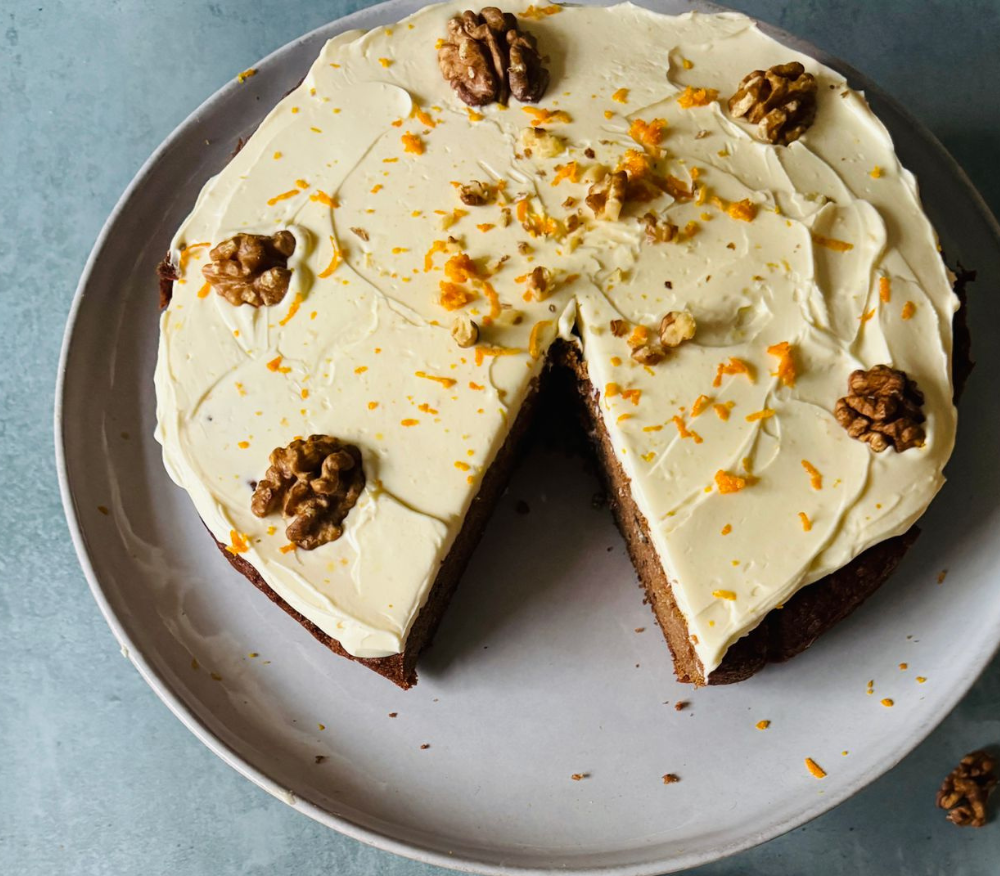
x=510, y=714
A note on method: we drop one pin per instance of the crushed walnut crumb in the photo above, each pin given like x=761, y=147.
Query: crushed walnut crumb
x=465, y=331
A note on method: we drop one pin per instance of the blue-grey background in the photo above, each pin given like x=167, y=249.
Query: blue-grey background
x=96, y=776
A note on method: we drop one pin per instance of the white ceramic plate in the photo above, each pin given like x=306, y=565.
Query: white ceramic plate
x=538, y=671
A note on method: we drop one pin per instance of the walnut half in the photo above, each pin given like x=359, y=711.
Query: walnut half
x=781, y=101
x=967, y=788
x=251, y=268
x=486, y=57
x=315, y=482
x=882, y=408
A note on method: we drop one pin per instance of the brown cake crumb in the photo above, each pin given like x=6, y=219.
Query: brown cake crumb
x=671, y=778
x=967, y=788
x=393, y=714
x=762, y=725
x=320, y=758
x=425, y=746
x=681, y=705
x=578, y=777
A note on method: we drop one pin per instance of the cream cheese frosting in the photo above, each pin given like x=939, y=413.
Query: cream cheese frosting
x=361, y=163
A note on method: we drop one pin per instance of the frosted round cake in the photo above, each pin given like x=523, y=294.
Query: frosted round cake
x=709, y=232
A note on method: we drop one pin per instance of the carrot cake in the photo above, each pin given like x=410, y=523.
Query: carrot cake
x=709, y=232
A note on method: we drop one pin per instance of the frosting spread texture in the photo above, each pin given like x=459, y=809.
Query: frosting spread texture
x=799, y=264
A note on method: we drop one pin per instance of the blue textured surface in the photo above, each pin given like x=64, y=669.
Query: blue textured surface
x=96, y=776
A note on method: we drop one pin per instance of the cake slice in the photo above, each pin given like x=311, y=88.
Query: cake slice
x=707, y=240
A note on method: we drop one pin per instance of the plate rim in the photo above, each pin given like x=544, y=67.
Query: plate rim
x=381, y=839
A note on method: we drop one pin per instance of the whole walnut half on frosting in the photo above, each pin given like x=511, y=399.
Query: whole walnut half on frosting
x=251, y=268
x=314, y=482
x=486, y=57
x=882, y=408
x=781, y=101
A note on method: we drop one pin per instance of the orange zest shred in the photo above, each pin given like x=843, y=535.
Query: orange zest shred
x=683, y=430
x=409, y=421
x=620, y=96
x=276, y=366
x=729, y=483
x=284, y=196
x=722, y=411
x=566, y=171
x=334, y=261
x=538, y=12
x=246, y=74
x=727, y=529
x=239, y=542
x=806, y=522
x=611, y=390
x=462, y=466
x=293, y=308
x=724, y=594
x=786, y=364
x=436, y=247
x=460, y=268
x=494, y=300
x=764, y=414
x=453, y=296
x=204, y=290
x=832, y=243
x=632, y=395
x=186, y=253
x=287, y=548
x=867, y=315
x=733, y=366
x=745, y=210
x=692, y=97
x=908, y=310
x=325, y=199
x=884, y=289
x=446, y=382
x=815, y=478
x=545, y=117
x=482, y=351
x=647, y=133
x=815, y=768
x=412, y=144
x=534, y=342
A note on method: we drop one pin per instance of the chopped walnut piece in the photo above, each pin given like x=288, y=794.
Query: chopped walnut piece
x=967, y=788
x=540, y=142
x=315, y=482
x=465, y=331
x=540, y=282
x=475, y=193
x=781, y=101
x=676, y=327
x=486, y=57
x=882, y=408
x=251, y=268
x=657, y=231
x=647, y=354
x=619, y=328
x=606, y=197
